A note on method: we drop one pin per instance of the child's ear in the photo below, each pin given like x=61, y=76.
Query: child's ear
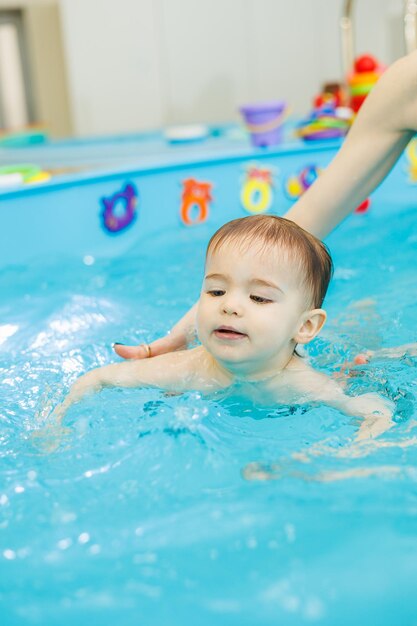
x=311, y=324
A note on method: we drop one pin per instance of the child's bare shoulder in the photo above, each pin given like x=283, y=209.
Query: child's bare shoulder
x=299, y=370
x=309, y=384
x=313, y=386
x=183, y=370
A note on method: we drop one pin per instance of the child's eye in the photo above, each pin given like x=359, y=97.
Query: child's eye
x=216, y=292
x=260, y=300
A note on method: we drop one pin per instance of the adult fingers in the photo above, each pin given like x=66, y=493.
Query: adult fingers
x=157, y=347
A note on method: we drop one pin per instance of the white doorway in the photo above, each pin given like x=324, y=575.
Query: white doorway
x=16, y=108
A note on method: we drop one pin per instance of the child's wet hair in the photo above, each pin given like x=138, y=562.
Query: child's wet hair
x=309, y=253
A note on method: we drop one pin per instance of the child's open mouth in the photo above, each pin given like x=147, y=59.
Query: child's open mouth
x=227, y=332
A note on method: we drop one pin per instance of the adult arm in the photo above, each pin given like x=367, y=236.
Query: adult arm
x=385, y=124
x=381, y=131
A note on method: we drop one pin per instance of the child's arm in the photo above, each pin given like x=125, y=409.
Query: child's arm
x=178, y=370
x=376, y=411
x=397, y=352
x=377, y=415
x=117, y=374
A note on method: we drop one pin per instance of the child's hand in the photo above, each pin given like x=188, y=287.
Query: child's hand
x=377, y=413
x=371, y=404
x=363, y=358
x=58, y=413
x=347, y=369
x=50, y=437
x=49, y=434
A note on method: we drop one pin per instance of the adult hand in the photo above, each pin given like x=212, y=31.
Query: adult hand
x=169, y=343
x=180, y=336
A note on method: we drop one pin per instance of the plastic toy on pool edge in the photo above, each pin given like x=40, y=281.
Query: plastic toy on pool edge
x=327, y=121
x=333, y=112
x=14, y=175
x=264, y=121
x=28, y=136
x=361, y=81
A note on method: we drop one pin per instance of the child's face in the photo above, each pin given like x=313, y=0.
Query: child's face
x=250, y=309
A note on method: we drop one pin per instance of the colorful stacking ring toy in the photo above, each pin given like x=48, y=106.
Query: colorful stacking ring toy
x=326, y=122
x=362, y=80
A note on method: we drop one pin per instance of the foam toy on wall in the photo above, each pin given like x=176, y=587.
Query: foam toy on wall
x=362, y=208
x=411, y=153
x=196, y=198
x=257, y=190
x=296, y=184
x=119, y=210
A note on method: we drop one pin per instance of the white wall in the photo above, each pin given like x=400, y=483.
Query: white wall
x=139, y=64
x=44, y=99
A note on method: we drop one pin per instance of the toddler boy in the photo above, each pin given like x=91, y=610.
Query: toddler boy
x=262, y=294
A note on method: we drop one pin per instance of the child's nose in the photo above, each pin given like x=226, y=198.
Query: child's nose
x=231, y=306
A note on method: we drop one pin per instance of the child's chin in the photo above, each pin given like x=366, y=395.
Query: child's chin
x=227, y=355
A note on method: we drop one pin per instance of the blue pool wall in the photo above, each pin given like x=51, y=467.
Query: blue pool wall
x=65, y=215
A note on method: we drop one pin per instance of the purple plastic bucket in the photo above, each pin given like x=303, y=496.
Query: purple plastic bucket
x=264, y=122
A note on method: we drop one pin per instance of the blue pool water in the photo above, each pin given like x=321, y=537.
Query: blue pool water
x=142, y=515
